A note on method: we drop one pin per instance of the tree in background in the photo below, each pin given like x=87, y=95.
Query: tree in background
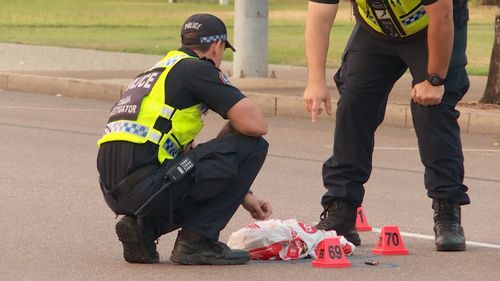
x=492, y=91
x=489, y=2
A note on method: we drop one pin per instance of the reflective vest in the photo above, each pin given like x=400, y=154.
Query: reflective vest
x=395, y=18
x=133, y=118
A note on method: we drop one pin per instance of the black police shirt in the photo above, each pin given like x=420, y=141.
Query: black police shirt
x=189, y=82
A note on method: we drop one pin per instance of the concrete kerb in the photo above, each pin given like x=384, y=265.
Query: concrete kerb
x=293, y=106
x=479, y=122
x=94, y=90
x=267, y=103
x=397, y=115
x=36, y=84
x=68, y=87
x=3, y=80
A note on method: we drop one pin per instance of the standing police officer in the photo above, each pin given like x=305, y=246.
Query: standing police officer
x=428, y=37
x=150, y=134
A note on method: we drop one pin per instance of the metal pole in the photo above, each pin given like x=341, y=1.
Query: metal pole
x=250, y=38
x=223, y=2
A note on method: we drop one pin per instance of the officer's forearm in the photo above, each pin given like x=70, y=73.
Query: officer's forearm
x=320, y=19
x=440, y=36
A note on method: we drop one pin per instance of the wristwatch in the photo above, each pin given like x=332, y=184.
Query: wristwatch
x=435, y=80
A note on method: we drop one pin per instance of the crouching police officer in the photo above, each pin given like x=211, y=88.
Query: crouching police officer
x=149, y=137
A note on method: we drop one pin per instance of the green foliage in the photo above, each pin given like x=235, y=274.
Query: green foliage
x=152, y=27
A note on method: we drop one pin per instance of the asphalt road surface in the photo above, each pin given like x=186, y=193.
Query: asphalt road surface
x=56, y=226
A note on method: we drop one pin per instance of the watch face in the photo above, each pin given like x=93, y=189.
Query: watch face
x=435, y=80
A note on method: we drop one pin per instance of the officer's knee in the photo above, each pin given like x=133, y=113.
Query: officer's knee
x=258, y=143
x=251, y=147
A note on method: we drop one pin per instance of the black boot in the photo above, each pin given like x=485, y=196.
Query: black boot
x=340, y=215
x=447, y=229
x=192, y=248
x=138, y=241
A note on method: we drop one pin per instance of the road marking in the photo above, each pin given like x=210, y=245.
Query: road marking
x=416, y=149
x=429, y=237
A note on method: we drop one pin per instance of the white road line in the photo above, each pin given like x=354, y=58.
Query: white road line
x=416, y=149
x=429, y=237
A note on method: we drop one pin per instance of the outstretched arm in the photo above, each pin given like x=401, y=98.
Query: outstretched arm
x=320, y=18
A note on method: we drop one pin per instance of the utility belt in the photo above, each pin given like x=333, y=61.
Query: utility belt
x=121, y=198
x=130, y=181
x=130, y=197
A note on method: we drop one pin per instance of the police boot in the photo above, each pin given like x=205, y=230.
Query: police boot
x=192, y=248
x=138, y=241
x=449, y=234
x=340, y=215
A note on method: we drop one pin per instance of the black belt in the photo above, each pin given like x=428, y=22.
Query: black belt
x=130, y=181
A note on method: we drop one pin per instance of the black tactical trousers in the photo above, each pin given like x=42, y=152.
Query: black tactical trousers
x=370, y=67
x=204, y=201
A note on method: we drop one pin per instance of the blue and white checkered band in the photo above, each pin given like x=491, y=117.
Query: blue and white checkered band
x=413, y=18
x=128, y=127
x=171, y=148
x=213, y=38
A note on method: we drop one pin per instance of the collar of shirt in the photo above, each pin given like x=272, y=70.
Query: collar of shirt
x=194, y=54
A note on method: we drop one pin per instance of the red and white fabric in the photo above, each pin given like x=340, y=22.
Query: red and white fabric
x=282, y=239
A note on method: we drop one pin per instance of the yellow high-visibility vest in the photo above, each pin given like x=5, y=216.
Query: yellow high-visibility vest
x=395, y=18
x=134, y=116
